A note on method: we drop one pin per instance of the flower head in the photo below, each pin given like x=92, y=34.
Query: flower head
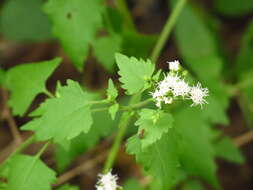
x=107, y=182
x=197, y=94
x=174, y=86
x=174, y=65
x=181, y=89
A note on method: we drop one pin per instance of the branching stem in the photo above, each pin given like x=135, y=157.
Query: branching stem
x=126, y=117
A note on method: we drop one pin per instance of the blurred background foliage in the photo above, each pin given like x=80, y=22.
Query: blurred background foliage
x=212, y=39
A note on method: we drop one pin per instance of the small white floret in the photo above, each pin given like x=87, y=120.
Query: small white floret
x=174, y=65
x=181, y=89
x=197, y=94
x=107, y=182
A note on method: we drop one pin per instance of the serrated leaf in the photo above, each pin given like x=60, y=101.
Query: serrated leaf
x=200, y=53
x=134, y=73
x=104, y=49
x=63, y=117
x=159, y=160
x=112, y=92
x=75, y=24
x=234, y=7
x=29, y=14
x=197, y=152
x=226, y=149
x=68, y=187
x=113, y=109
x=26, y=81
x=102, y=126
x=153, y=124
x=29, y=173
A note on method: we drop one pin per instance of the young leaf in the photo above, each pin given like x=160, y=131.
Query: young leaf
x=75, y=24
x=29, y=14
x=159, y=160
x=197, y=152
x=153, y=124
x=113, y=110
x=112, y=92
x=134, y=73
x=226, y=149
x=63, y=117
x=29, y=173
x=26, y=81
x=104, y=49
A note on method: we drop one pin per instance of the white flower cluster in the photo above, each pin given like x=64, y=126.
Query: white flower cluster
x=107, y=182
x=173, y=86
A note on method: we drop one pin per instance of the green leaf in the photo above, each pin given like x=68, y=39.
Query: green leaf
x=226, y=149
x=234, y=7
x=201, y=55
x=136, y=44
x=159, y=160
x=26, y=81
x=29, y=14
x=192, y=185
x=153, y=124
x=112, y=92
x=104, y=49
x=113, y=109
x=197, y=152
x=244, y=72
x=134, y=73
x=132, y=184
x=75, y=24
x=29, y=173
x=68, y=187
x=102, y=126
x=63, y=117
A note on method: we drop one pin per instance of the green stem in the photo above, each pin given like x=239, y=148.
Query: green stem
x=97, y=102
x=126, y=117
x=167, y=30
x=49, y=94
x=20, y=148
x=124, y=121
x=125, y=108
x=123, y=9
x=42, y=149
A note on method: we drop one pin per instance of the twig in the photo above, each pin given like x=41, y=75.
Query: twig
x=10, y=120
x=13, y=127
x=80, y=169
x=244, y=139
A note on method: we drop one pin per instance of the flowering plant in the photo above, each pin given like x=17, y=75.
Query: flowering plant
x=165, y=120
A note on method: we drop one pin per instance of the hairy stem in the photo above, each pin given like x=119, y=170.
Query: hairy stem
x=167, y=30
